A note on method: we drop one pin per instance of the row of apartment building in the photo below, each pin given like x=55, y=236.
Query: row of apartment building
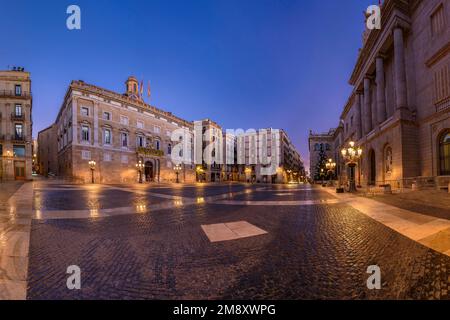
x=399, y=109
x=118, y=131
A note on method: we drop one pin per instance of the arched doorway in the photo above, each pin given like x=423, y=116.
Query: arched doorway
x=148, y=171
x=372, y=168
x=444, y=154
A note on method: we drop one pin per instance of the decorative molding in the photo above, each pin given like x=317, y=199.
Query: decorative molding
x=441, y=53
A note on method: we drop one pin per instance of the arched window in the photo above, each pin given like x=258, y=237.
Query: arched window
x=169, y=149
x=444, y=154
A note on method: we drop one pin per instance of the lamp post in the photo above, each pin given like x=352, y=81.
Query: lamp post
x=351, y=156
x=177, y=169
x=322, y=174
x=92, y=167
x=139, y=167
x=289, y=171
x=330, y=165
x=199, y=171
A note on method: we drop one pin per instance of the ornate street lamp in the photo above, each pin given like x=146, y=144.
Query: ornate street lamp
x=139, y=167
x=351, y=155
x=177, y=169
x=289, y=172
x=322, y=174
x=200, y=172
x=92, y=167
x=330, y=165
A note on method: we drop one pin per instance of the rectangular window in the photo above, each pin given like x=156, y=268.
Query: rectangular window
x=85, y=111
x=107, y=157
x=107, y=116
x=84, y=133
x=124, y=120
x=157, y=144
x=140, y=124
x=18, y=110
x=157, y=129
x=85, y=155
x=124, y=139
x=107, y=136
x=140, y=141
x=441, y=84
x=19, y=151
x=438, y=21
x=18, y=131
x=18, y=90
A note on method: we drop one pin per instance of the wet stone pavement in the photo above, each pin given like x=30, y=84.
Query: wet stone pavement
x=311, y=251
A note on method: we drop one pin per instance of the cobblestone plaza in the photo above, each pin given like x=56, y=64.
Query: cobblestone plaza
x=157, y=242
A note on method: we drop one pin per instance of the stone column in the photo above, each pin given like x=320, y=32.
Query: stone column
x=381, y=97
x=95, y=124
x=400, y=73
x=75, y=121
x=367, y=106
x=358, y=115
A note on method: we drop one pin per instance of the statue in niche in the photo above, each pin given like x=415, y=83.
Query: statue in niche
x=389, y=160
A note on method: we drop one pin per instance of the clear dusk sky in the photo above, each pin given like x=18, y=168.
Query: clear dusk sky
x=242, y=63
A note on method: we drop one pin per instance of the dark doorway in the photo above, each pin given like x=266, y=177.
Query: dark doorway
x=148, y=171
x=373, y=168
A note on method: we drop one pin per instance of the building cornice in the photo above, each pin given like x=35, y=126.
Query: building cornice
x=441, y=53
x=390, y=10
x=127, y=101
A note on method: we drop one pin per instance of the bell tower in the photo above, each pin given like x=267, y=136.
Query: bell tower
x=132, y=87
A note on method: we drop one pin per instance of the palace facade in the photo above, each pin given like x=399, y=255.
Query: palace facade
x=117, y=131
x=399, y=109
x=16, y=125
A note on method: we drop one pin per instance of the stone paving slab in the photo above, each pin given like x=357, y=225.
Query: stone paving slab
x=424, y=229
x=231, y=231
x=15, y=229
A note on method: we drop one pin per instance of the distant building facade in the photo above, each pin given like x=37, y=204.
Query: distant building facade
x=117, y=131
x=399, y=109
x=16, y=125
x=47, y=153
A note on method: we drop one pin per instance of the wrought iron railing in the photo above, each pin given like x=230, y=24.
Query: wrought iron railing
x=14, y=94
x=17, y=117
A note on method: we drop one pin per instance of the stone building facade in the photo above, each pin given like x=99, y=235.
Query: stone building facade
x=399, y=109
x=277, y=148
x=16, y=125
x=320, y=143
x=116, y=131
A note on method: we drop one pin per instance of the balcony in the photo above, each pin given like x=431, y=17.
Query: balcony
x=17, y=117
x=17, y=139
x=150, y=152
x=13, y=94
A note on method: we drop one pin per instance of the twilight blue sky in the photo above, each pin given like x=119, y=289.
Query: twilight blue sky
x=243, y=63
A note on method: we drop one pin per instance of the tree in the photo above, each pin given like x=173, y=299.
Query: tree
x=321, y=164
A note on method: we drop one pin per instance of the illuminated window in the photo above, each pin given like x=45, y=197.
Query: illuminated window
x=84, y=133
